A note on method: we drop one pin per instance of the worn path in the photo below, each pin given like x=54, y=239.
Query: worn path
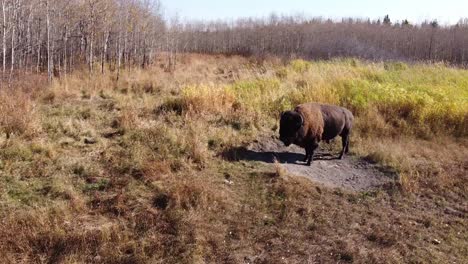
x=351, y=173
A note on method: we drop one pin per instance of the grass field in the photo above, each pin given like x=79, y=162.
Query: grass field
x=99, y=170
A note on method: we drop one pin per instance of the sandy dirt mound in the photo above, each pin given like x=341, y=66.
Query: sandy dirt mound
x=351, y=173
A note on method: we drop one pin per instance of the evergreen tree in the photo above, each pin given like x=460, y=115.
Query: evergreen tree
x=386, y=20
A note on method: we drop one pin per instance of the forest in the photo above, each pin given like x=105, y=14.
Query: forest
x=57, y=36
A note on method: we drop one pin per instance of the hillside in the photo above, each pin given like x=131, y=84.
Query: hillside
x=155, y=168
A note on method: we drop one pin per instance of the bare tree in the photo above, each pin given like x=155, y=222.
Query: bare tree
x=56, y=35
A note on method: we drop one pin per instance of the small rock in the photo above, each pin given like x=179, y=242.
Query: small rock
x=113, y=133
x=228, y=182
x=436, y=241
x=90, y=141
x=318, y=189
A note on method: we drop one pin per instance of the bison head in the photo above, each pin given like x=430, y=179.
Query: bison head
x=290, y=124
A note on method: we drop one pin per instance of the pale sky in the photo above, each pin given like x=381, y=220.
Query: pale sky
x=445, y=11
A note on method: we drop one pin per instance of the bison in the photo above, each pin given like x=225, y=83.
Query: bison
x=311, y=123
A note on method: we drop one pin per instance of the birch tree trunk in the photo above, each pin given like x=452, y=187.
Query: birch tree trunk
x=91, y=53
x=119, y=55
x=4, y=45
x=13, y=32
x=104, y=53
x=65, y=51
x=49, y=59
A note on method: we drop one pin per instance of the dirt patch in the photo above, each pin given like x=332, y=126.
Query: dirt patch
x=351, y=173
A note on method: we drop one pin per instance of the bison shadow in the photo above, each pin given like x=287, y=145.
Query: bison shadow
x=242, y=153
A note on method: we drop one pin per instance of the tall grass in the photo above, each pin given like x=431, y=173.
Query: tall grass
x=388, y=98
x=17, y=114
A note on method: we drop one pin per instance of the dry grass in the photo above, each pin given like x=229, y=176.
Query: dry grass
x=130, y=171
x=437, y=165
x=279, y=170
x=17, y=114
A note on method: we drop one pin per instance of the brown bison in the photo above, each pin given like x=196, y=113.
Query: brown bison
x=311, y=123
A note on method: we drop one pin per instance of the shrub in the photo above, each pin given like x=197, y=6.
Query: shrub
x=172, y=104
x=257, y=95
x=282, y=73
x=202, y=98
x=300, y=66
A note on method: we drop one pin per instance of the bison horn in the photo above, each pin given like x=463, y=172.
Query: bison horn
x=302, y=120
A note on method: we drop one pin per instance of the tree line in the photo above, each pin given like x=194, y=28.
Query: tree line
x=58, y=36
x=324, y=39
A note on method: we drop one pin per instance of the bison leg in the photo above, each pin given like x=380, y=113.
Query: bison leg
x=311, y=149
x=345, y=145
x=306, y=154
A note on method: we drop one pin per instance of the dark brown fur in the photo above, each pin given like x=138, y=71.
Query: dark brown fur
x=311, y=123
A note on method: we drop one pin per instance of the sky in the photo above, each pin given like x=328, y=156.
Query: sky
x=445, y=11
